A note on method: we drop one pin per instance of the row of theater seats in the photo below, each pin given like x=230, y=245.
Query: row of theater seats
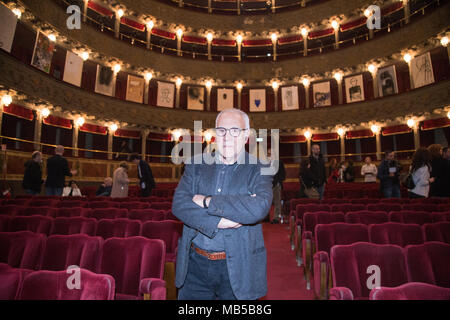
x=373, y=271
x=120, y=268
x=166, y=190
x=319, y=238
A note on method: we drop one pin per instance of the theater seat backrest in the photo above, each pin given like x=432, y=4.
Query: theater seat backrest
x=73, y=212
x=42, y=211
x=120, y=228
x=440, y=216
x=74, y=225
x=21, y=249
x=438, y=231
x=52, y=285
x=400, y=234
x=411, y=291
x=4, y=223
x=161, y=205
x=352, y=266
x=62, y=251
x=339, y=233
x=108, y=213
x=103, y=204
x=408, y=216
x=73, y=203
x=427, y=207
x=346, y=207
x=429, y=263
x=146, y=215
x=10, y=281
x=37, y=224
x=366, y=217
x=129, y=260
x=311, y=219
x=10, y=209
x=386, y=207
x=134, y=205
x=169, y=231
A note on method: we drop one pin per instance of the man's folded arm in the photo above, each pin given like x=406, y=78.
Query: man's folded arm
x=190, y=213
x=245, y=208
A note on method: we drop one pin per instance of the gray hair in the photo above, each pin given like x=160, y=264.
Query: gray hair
x=236, y=111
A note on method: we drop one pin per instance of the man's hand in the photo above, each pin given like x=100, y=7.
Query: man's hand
x=198, y=200
x=228, y=224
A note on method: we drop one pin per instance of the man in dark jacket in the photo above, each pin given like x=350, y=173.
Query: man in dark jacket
x=277, y=183
x=318, y=169
x=147, y=183
x=389, y=175
x=446, y=182
x=57, y=169
x=32, y=179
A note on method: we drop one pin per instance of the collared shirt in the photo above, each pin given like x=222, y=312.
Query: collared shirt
x=222, y=181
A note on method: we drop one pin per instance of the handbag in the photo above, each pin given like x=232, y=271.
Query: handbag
x=409, y=182
x=311, y=193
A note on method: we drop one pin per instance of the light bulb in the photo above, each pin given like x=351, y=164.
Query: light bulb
x=85, y=55
x=307, y=134
x=6, y=100
x=179, y=82
x=45, y=112
x=209, y=37
x=80, y=121
x=407, y=57
x=411, y=123
x=239, y=86
x=17, y=12
x=52, y=37
x=305, y=82
x=113, y=127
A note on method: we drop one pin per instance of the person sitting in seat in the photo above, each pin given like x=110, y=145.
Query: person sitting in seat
x=104, y=190
x=71, y=190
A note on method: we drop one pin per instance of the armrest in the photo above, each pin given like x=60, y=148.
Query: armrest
x=341, y=293
x=153, y=289
x=321, y=267
x=307, y=252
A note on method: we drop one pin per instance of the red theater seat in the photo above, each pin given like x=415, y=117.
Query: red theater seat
x=427, y=207
x=400, y=234
x=108, y=213
x=161, y=205
x=386, y=207
x=42, y=211
x=352, y=265
x=43, y=203
x=443, y=207
x=16, y=202
x=440, y=216
x=438, y=231
x=364, y=201
x=146, y=215
x=411, y=291
x=81, y=250
x=137, y=265
x=405, y=216
x=120, y=228
x=10, y=281
x=429, y=263
x=134, y=205
x=4, y=223
x=10, y=209
x=328, y=235
x=52, y=285
x=334, y=201
x=366, y=217
x=169, y=231
x=346, y=207
x=103, y=204
x=37, y=224
x=73, y=212
x=21, y=249
x=72, y=203
x=74, y=225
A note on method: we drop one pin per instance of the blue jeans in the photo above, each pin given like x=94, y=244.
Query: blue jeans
x=321, y=190
x=206, y=279
x=392, y=191
x=32, y=192
x=53, y=191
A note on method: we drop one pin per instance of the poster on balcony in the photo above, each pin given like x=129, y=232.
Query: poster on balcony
x=422, y=70
x=258, y=100
x=225, y=99
x=354, y=88
x=73, y=69
x=8, y=29
x=322, y=94
x=166, y=92
x=42, y=53
x=135, y=89
x=289, y=98
x=195, y=98
x=387, y=81
x=104, y=83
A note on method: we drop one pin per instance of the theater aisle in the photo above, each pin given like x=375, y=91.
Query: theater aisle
x=284, y=279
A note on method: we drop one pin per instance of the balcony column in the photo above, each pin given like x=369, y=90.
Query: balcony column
x=144, y=136
x=75, y=140
x=110, y=144
x=85, y=10
x=38, y=131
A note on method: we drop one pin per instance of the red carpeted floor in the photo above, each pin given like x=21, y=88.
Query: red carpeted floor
x=284, y=279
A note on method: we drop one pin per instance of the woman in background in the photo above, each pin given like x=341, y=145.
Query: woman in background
x=120, y=181
x=420, y=171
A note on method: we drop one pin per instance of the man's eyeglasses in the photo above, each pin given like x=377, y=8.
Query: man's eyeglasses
x=234, y=132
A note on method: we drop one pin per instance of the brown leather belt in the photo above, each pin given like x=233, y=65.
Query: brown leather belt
x=210, y=255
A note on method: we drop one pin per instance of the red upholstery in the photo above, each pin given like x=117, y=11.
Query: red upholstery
x=43, y=211
x=37, y=224
x=108, y=213
x=10, y=281
x=134, y=205
x=103, y=204
x=400, y=234
x=439, y=231
x=366, y=217
x=4, y=223
x=365, y=201
x=411, y=291
x=146, y=214
x=395, y=200
x=161, y=205
x=440, y=216
x=169, y=231
x=74, y=198
x=346, y=207
x=334, y=201
x=405, y=216
x=349, y=264
x=443, y=207
x=429, y=263
x=130, y=260
x=170, y=216
x=10, y=209
x=328, y=235
x=81, y=250
x=72, y=203
x=74, y=225
x=43, y=202
x=16, y=202
x=121, y=228
x=52, y=285
x=21, y=249
x=386, y=207
x=428, y=207
x=73, y=212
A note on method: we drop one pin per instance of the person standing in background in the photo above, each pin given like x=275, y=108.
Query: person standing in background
x=32, y=179
x=57, y=170
x=349, y=173
x=446, y=156
x=317, y=169
x=437, y=186
x=120, y=181
x=147, y=183
x=369, y=170
x=389, y=175
x=124, y=152
x=420, y=171
x=277, y=184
